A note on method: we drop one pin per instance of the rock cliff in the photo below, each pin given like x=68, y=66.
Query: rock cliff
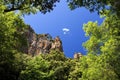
x=78, y=55
x=41, y=43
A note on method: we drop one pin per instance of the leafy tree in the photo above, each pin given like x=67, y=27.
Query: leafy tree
x=54, y=55
x=52, y=66
x=104, y=42
x=37, y=69
x=99, y=36
x=95, y=68
x=75, y=72
x=58, y=63
x=96, y=5
x=9, y=42
x=20, y=63
x=29, y=6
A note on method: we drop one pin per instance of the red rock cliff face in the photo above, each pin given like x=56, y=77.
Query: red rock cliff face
x=41, y=43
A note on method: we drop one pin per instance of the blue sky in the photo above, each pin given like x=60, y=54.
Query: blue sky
x=66, y=24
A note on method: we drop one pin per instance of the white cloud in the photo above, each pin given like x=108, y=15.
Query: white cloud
x=65, y=30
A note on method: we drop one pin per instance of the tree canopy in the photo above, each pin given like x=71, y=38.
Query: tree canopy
x=104, y=41
x=29, y=6
x=96, y=5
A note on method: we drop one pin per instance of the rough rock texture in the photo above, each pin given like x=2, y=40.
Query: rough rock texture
x=77, y=55
x=41, y=43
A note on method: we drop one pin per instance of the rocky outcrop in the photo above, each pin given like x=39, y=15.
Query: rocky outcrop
x=77, y=55
x=41, y=43
x=57, y=44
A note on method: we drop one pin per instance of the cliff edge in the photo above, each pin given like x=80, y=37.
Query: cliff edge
x=40, y=43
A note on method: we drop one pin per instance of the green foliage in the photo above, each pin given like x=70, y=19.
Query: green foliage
x=50, y=66
x=103, y=45
x=94, y=43
x=9, y=40
x=89, y=4
x=29, y=6
x=37, y=69
x=95, y=68
x=106, y=34
x=75, y=72
x=96, y=5
x=54, y=55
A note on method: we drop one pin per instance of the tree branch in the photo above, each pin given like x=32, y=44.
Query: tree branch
x=14, y=9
